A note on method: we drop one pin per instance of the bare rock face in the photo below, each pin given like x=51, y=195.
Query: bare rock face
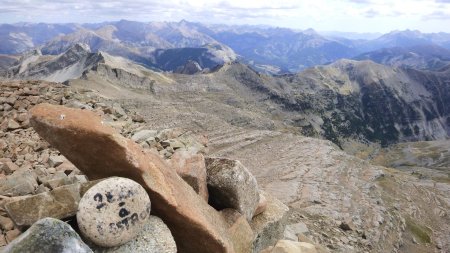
x=231, y=185
x=191, y=168
x=190, y=68
x=48, y=235
x=269, y=225
x=100, y=152
x=113, y=211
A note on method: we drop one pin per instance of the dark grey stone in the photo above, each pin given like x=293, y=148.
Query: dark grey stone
x=48, y=235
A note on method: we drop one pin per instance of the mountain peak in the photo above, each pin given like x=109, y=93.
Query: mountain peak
x=80, y=48
x=407, y=32
x=310, y=31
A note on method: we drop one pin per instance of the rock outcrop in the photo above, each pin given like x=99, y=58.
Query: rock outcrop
x=190, y=68
x=69, y=65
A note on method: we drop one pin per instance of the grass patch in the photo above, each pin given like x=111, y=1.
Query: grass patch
x=421, y=233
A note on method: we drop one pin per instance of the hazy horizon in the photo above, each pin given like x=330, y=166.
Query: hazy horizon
x=360, y=16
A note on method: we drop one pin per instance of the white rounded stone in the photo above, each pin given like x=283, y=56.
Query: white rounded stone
x=113, y=211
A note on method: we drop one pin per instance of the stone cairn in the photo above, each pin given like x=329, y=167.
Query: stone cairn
x=78, y=174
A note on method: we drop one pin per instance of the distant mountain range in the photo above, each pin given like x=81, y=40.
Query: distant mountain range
x=347, y=99
x=396, y=91
x=266, y=49
x=424, y=56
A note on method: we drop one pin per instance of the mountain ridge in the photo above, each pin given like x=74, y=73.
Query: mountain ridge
x=268, y=49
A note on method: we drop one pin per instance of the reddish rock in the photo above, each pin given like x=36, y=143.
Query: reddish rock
x=203, y=139
x=99, y=152
x=191, y=167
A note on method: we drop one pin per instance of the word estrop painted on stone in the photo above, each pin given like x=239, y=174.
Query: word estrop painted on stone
x=113, y=211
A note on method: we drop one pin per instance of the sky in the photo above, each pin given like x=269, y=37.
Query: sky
x=322, y=15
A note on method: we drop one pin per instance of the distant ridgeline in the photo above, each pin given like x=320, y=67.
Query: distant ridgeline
x=268, y=49
x=405, y=99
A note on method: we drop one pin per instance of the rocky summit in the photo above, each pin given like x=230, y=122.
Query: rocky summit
x=157, y=137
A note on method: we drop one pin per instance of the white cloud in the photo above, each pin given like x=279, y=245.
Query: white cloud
x=357, y=15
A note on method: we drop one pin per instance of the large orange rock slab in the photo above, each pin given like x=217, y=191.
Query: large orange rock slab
x=100, y=152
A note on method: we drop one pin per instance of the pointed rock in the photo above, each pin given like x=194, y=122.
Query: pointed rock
x=99, y=152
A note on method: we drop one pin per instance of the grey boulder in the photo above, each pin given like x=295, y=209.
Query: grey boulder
x=143, y=135
x=48, y=235
x=231, y=185
x=269, y=225
x=18, y=184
